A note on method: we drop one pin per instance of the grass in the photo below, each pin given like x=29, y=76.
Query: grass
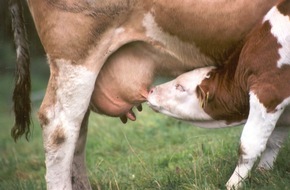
x=153, y=153
x=156, y=152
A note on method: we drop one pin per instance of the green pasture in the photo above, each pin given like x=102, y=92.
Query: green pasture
x=155, y=152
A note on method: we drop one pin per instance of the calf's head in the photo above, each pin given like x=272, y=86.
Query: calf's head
x=182, y=97
x=205, y=97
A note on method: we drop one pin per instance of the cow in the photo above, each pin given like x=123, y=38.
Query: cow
x=252, y=88
x=85, y=40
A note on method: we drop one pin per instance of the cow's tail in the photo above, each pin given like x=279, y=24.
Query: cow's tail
x=21, y=94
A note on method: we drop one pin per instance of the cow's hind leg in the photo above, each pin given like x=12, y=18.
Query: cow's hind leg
x=61, y=114
x=80, y=179
x=256, y=133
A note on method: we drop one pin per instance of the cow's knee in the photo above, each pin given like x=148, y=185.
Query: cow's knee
x=250, y=151
x=42, y=117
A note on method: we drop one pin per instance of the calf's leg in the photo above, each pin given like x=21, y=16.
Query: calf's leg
x=61, y=114
x=277, y=138
x=255, y=135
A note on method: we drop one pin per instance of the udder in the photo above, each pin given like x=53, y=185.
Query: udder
x=123, y=83
x=116, y=95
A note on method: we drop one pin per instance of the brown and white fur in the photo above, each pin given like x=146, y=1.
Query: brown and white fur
x=86, y=40
x=252, y=88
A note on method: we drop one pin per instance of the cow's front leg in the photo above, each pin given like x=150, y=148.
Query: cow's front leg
x=80, y=179
x=277, y=138
x=61, y=114
x=255, y=135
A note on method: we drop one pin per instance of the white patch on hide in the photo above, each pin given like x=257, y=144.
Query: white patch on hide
x=281, y=30
x=185, y=52
x=74, y=85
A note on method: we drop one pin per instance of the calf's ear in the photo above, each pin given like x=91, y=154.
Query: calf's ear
x=203, y=95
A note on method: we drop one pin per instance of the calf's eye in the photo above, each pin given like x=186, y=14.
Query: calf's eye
x=179, y=87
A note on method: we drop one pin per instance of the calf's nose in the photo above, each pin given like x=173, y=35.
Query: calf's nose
x=152, y=90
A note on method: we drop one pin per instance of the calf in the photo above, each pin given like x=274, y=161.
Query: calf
x=252, y=88
x=107, y=53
